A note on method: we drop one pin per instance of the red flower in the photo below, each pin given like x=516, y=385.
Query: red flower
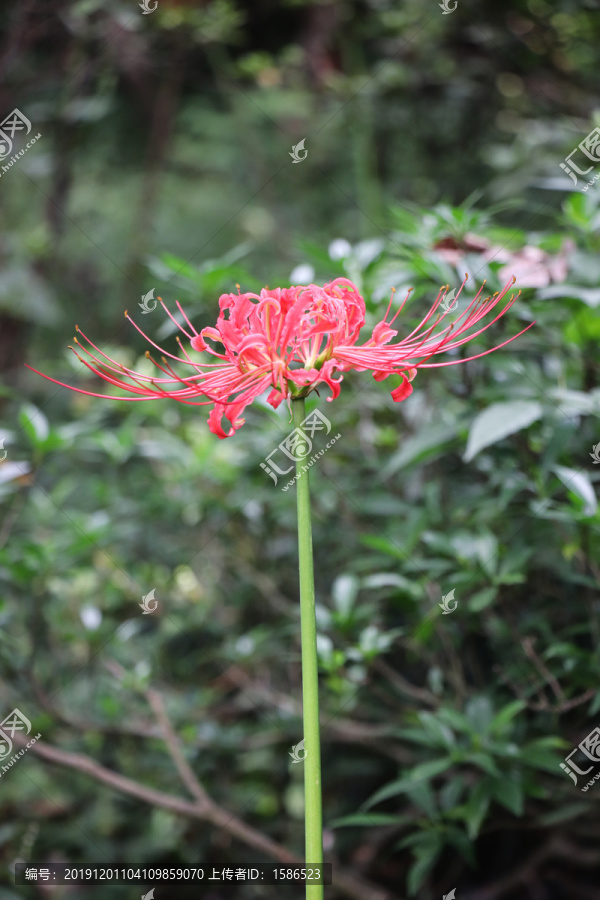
x=292, y=340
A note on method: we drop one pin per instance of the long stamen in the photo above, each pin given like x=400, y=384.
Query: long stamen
x=182, y=311
x=150, y=341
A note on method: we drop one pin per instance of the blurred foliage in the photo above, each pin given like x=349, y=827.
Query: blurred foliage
x=434, y=145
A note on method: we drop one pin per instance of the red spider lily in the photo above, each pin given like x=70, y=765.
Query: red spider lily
x=292, y=340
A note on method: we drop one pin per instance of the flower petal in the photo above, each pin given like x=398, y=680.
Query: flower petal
x=402, y=391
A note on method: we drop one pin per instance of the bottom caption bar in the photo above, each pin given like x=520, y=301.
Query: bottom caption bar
x=96, y=873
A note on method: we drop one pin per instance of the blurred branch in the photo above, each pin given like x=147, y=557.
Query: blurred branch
x=422, y=695
x=528, y=646
x=455, y=673
x=205, y=809
x=555, y=847
x=542, y=705
x=11, y=518
x=347, y=730
x=184, y=769
x=267, y=586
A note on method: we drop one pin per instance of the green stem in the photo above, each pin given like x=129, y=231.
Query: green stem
x=310, y=672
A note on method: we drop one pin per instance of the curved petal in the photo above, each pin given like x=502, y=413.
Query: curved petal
x=402, y=391
x=275, y=397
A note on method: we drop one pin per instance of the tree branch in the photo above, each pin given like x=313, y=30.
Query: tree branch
x=346, y=882
x=184, y=769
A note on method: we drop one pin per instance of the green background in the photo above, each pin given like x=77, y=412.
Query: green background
x=164, y=164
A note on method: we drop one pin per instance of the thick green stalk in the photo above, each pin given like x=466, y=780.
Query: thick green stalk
x=310, y=672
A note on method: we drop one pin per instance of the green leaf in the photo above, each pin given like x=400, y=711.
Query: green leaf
x=35, y=424
x=479, y=712
x=180, y=266
x=344, y=592
x=451, y=792
x=542, y=760
x=579, y=402
x=366, y=820
x=455, y=719
x=427, y=855
x=590, y=296
x=482, y=761
x=384, y=545
x=537, y=754
x=392, y=579
x=505, y=716
x=578, y=209
x=551, y=740
x=463, y=843
x=421, y=773
x=426, y=444
x=477, y=806
x=424, y=629
x=509, y=793
x=563, y=814
x=481, y=546
x=422, y=796
x=440, y=732
x=579, y=483
x=498, y=421
x=482, y=599
x=417, y=736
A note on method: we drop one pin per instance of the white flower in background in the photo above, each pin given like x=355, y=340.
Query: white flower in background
x=91, y=617
x=302, y=274
x=339, y=249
